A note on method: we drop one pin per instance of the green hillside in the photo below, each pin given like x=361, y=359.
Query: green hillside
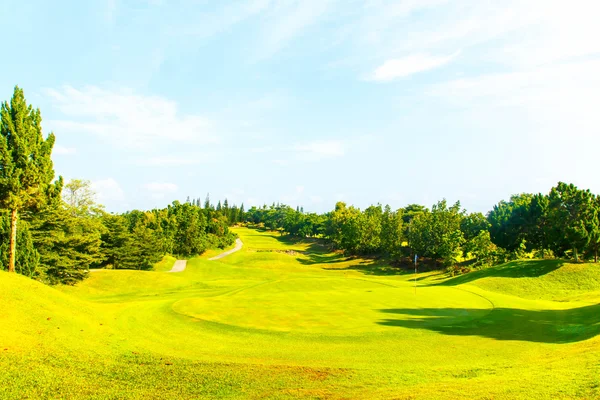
x=282, y=319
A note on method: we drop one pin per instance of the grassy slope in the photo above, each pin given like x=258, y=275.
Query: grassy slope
x=165, y=264
x=266, y=323
x=538, y=279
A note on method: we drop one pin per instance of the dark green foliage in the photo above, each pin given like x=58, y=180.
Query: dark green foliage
x=68, y=244
x=510, y=222
x=570, y=212
x=26, y=166
x=28, y=258
x=436, y=234
x=26, y=169
x=392, y=232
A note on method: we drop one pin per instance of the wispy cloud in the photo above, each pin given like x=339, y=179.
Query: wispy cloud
x=558, y=93
x=127, y=119
x=409, y=65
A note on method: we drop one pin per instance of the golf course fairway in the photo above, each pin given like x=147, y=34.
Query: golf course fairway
x=288, y=319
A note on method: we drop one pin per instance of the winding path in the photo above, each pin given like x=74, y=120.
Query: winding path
x=179, y=266
x=238, y=247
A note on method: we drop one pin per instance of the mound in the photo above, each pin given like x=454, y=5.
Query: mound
x=538, y=279
x=36, y=315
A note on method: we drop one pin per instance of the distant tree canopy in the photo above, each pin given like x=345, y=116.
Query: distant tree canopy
x=62, y=232
x=565, y=222
x=61, y=241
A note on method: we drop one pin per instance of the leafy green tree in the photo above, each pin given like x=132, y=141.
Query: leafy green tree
x=538, y=232
x=345, y=228
x=437, y=234
x=26, y=169
x=392, y=232
x=68, y=244
x=482, y=248
x=568, y=211
x=369, y=228
x=510, y=222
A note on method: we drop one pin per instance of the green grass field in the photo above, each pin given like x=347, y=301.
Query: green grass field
x=283, y=319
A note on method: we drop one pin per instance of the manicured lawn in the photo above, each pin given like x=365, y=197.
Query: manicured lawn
x=284, y=319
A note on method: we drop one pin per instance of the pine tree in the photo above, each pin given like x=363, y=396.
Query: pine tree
x=68, y=244
x=26, y=169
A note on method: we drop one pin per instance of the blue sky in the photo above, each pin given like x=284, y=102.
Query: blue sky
x=308, y=102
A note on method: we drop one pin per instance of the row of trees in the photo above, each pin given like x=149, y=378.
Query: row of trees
x=563, y=223
x=566, y=222
x=232, y=213
x=56, y=235
x=60, y=242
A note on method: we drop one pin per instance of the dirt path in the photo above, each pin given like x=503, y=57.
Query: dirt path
x=238, y=247
x=179, y=266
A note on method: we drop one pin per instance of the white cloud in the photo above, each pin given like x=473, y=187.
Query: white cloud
x=409, y=65
x=158, y=190
x=126, y=119
x=63, y=151
x=108, y=190
x=320, y=149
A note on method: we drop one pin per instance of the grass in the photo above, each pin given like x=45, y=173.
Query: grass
x=285, y=319
x=165, y=264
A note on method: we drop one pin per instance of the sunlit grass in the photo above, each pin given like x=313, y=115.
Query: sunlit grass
x=281, y=319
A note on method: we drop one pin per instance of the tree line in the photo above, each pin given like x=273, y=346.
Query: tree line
x=562, y=223
x=55, y=232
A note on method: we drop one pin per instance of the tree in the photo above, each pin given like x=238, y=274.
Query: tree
x=538, y=233
x=510, y=222
x=392, y=231
x=80, y=197
x=68, y=244
x=593, y=227
x=28, y=258
x=568, y=211
x=26, y=169
x=436, y=233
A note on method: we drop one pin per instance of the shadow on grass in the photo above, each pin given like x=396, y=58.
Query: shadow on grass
x=317, y=258
x=514, y=269
x=372, y=267
x=545, y=326
x=315, y=245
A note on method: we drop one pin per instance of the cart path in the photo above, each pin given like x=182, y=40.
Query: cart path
x=238, y=247
x=179, y=266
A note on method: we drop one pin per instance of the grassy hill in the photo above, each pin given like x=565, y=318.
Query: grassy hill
x=538, y=279
x=285, y=319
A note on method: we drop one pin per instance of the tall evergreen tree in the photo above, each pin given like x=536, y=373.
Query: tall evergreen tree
x=26, y=169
